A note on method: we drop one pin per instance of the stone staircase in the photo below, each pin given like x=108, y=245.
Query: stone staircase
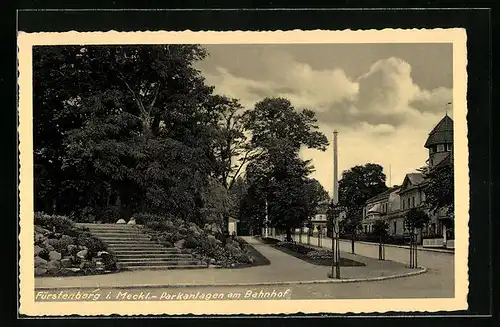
x=134, y=249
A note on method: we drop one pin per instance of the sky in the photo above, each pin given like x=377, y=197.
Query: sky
x=383, y=99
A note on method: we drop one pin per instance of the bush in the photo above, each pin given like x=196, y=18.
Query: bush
x=320, y=254
x=109, y=214
x=109, y=261
x=192, y=242
x=58, y=224
x=145, y=218
x=93, y=244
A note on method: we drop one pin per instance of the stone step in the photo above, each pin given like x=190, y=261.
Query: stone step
x=129, y=241
x=119, y=233
x=153, y=255
x=147, y=252
x=153, y=261
x=167, y=267
x=139, y=238
x=163, y=266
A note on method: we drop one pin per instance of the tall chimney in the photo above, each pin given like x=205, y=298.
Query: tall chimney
x=335, y=169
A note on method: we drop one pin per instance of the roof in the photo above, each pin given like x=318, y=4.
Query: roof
x=443, y=163
x=415, y=178
x=232, y=220
x=382, y=195
x=441, y=133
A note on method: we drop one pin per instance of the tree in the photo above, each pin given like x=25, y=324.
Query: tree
x=356, y=186
x=277, y=174
x=380, y=230
x=415, y=219
x=439, y=190
x=124, y=126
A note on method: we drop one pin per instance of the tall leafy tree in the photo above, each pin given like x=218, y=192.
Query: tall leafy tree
x=277, y=174
x=131, y=127
x=357, y=185
x=439, y=189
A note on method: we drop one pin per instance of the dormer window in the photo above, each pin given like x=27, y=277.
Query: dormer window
x=440, y=148
x=448, y=147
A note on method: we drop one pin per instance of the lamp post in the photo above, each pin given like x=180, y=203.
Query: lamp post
x=335, y=213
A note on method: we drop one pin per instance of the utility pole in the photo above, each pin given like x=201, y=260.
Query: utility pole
x=335, y=213
x=266, y=221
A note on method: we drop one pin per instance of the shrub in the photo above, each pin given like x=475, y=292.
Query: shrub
x=93, y=244
x=62, y=244
x=109, y=261
x=144, y=218
x=192, y=242
x=109, y=214
x=320, y=254
x=58, y=224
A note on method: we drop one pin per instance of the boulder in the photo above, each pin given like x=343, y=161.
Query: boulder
x=38, y=249
x=41, y=230
x=39, y=271
x=65, y=263
x=131, y=222
x=49, y=248
x=180, y=244
x=102, y=253
x=40, y=238
x=54, y=255
x=53, y=267
x=71, y=248
x=121, y=221
x=82, y=254
x=39, y=262
x=99, y=265
x=53, y=241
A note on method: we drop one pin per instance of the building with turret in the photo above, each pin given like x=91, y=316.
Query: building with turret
x=393, y=204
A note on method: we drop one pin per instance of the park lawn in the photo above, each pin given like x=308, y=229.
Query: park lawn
x=314, y=255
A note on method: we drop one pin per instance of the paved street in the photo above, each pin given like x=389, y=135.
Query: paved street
x=283, y=268
x=439, y=280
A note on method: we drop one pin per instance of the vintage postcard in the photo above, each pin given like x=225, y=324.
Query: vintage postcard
x=243, y=172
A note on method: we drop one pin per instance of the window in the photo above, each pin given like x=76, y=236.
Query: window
x=440, y=148
x=395, y=226
x=413, y=201
x=409, y=203
x=431, y=150
x=448, y=146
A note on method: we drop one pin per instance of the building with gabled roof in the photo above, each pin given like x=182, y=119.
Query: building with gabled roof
x=393, y=204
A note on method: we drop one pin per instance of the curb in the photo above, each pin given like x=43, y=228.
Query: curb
x=422, y=270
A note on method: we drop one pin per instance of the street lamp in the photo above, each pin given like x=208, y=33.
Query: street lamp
x=335, y=212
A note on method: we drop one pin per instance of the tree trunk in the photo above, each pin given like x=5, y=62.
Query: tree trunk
x=288, y=234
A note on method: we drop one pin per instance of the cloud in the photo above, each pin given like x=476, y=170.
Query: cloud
x=382, y=116
x=384, y=96
x=432, y=101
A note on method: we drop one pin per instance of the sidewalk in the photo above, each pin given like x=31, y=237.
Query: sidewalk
x=283, y=268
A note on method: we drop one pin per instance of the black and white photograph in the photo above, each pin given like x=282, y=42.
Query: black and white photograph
x=204, y=172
